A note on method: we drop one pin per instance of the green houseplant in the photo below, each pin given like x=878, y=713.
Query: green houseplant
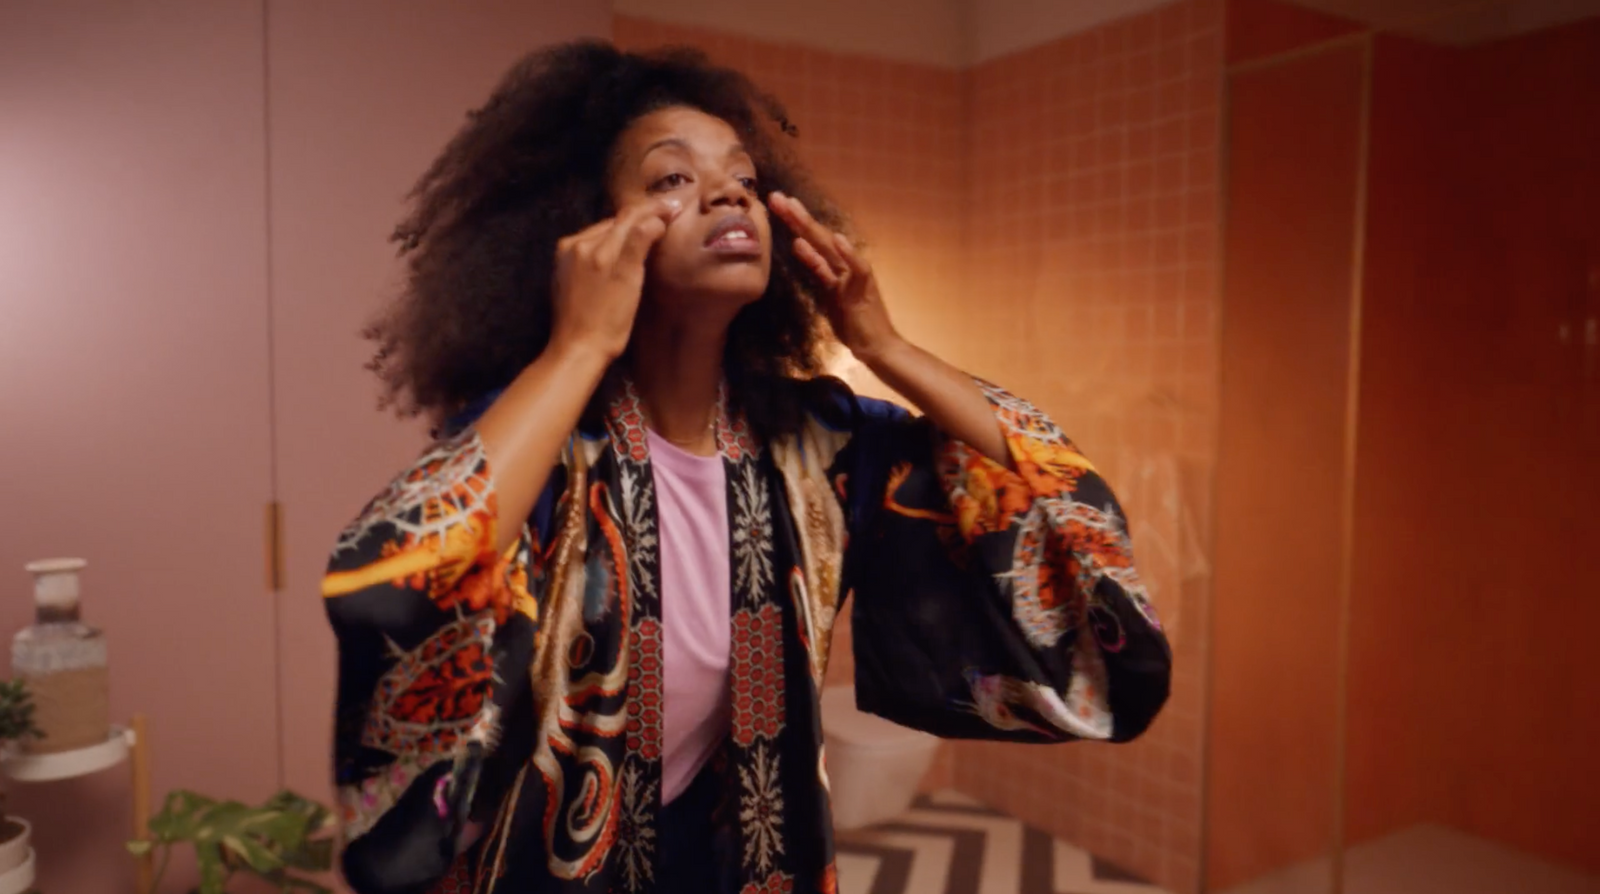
x=16, y=725
x=278, y=841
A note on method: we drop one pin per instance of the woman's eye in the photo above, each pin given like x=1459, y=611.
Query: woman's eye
x=749, y=183
x=671, y=181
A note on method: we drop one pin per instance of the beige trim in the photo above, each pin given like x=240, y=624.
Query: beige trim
x=1352, y=420
x=1208, y=624
x=272, y=529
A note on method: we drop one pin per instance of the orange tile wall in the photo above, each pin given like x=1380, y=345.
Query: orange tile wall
x=1093, y=288
x=1048, y=220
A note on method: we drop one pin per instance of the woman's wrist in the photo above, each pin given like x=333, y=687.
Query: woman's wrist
x=578, y=355
x=883, y=356
x=946, y=395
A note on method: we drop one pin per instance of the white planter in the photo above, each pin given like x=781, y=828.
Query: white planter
x=16, y=860
x=14, y=853
x=19, y=880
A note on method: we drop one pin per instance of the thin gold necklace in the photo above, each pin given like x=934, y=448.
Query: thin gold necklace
x=711, y=425
x=711, y=429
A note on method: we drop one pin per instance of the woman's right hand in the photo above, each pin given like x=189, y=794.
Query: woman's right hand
x=598, y=281
x=599, y=277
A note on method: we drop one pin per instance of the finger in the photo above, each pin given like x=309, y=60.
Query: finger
x=598, y=231
x=816, y=263
x=797, y=216
x=583, y=245
x=638, y=239
x=794, y=213
x=853, y=260
x=592, y=232
x=639, y=227
x=664, y=210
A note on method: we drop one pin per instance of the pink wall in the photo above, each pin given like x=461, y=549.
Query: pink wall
x=359, y=107
x=133, y=359
x=135, y=277
x=1093, y=249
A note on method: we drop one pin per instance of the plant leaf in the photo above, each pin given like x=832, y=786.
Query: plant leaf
x=265, y=841
x=314, y=855
x=283, y=829
x=213, y=874
x=254, y=854
x=180, y=816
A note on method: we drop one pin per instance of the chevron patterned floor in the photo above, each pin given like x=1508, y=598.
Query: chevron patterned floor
x=949, y=844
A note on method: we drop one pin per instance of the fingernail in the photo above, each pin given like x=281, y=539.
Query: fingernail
x=673, y=205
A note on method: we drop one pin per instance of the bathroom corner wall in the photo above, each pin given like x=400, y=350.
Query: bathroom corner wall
x=1093, y=276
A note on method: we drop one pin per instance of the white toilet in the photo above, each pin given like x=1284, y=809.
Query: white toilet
x=874, y=766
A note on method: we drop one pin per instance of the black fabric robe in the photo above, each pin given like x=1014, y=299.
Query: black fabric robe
x=499, y=715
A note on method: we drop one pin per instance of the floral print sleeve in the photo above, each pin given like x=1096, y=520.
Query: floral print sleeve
x=994, y=601
x=428, y=617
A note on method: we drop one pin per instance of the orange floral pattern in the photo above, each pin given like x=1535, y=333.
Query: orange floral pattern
x=776, y=883
x=987, y=496
x=1050, y=531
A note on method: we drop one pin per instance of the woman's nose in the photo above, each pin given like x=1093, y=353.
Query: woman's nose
x=728, y=191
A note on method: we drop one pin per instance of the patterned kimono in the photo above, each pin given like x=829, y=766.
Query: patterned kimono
x=499, y=723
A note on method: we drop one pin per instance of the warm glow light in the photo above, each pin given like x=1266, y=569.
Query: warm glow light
x=844, y=365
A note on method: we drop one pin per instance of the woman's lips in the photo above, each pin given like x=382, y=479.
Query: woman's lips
x=736, y=236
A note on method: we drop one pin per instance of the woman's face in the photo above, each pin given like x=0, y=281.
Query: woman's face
x=719, y=247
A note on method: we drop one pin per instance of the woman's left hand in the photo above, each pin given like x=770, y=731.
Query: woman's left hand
x=851, y=301
x=946, y=395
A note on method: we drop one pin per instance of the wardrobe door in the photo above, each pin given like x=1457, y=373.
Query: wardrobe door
x=1475, y=569
x=362, y=96
x=1281, y=482
x=133, y=388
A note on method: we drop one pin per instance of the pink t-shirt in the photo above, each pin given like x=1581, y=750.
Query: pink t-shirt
x=692, y=506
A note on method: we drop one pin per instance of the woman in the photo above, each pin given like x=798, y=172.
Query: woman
x=581, y=640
